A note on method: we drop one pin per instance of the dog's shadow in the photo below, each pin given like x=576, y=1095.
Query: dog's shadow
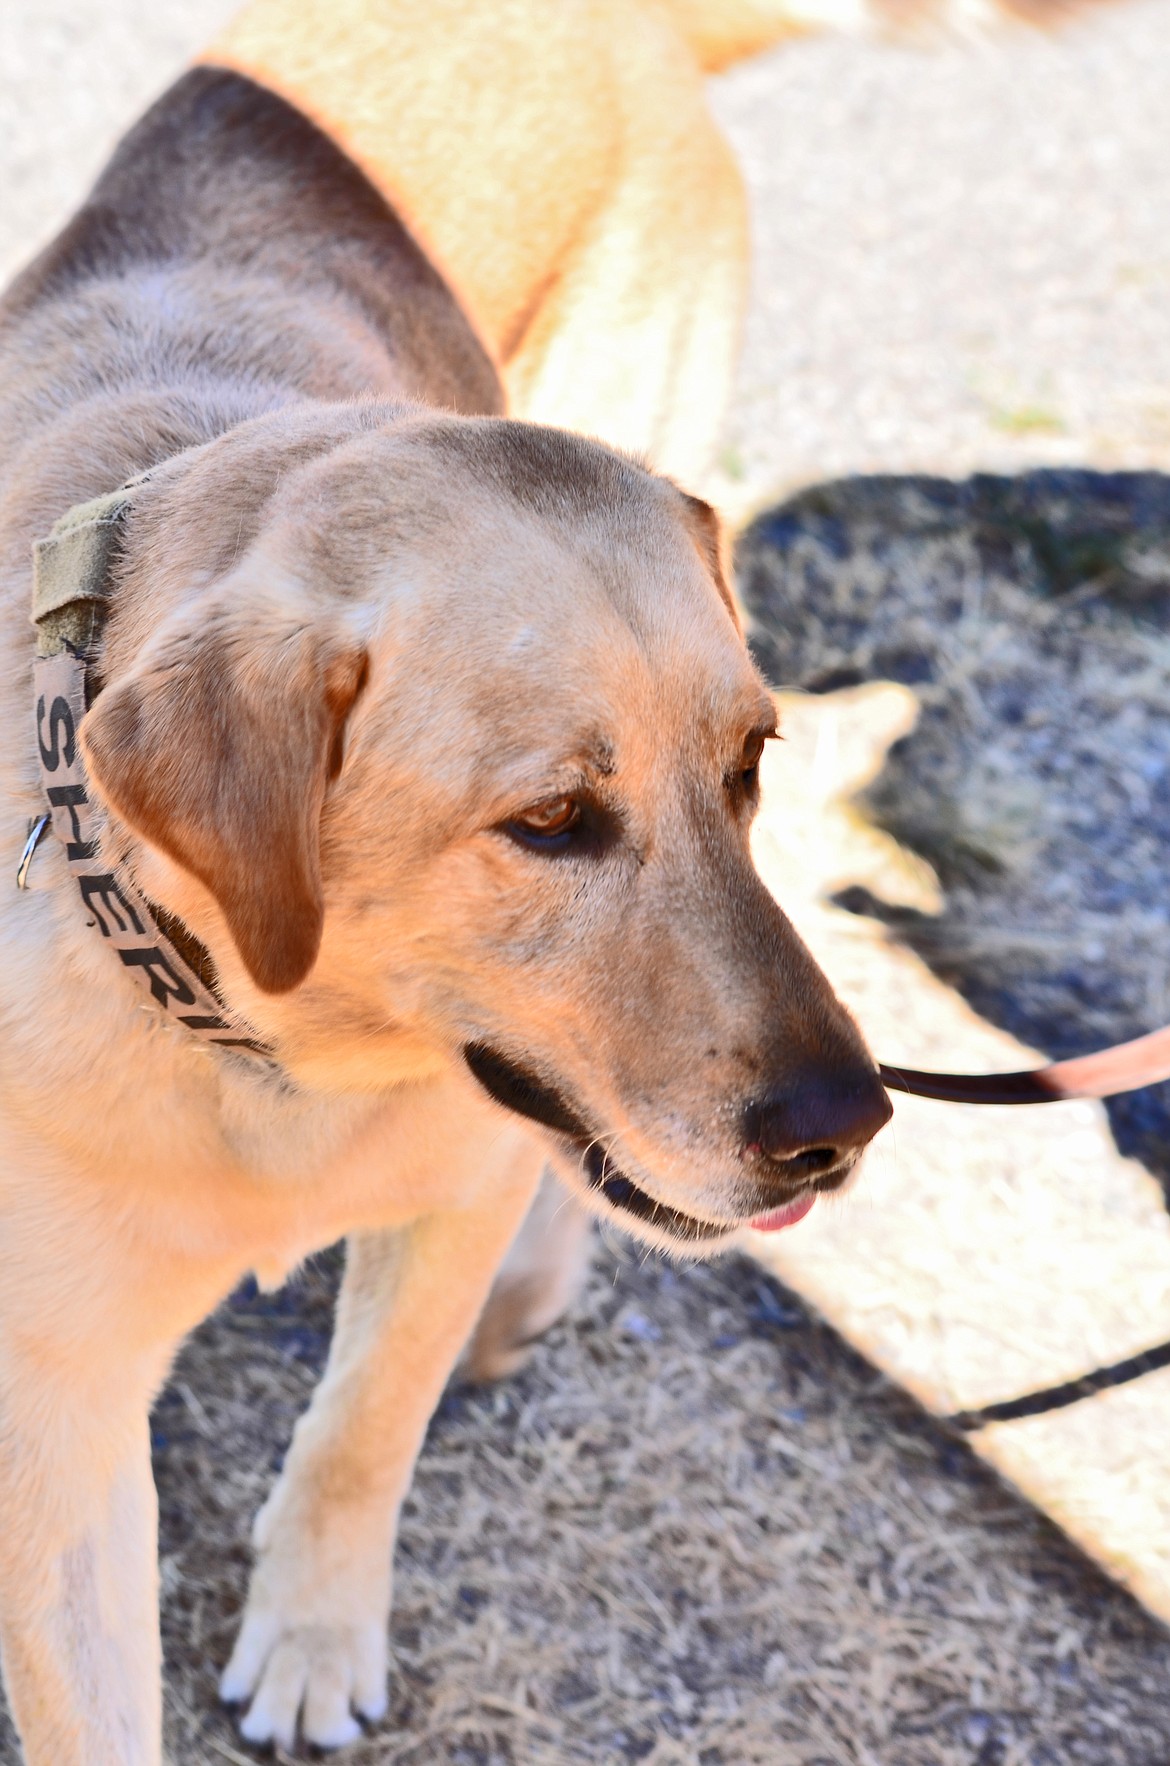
x=1031, y=618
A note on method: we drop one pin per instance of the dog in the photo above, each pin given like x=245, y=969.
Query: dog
x=404, y=751
x=561, y=167
x=401, y=758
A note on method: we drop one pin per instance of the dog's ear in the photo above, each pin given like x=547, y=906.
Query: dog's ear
x=710, y=538
x=218, y=748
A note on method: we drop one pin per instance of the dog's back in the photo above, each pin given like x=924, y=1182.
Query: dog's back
x=231, y=233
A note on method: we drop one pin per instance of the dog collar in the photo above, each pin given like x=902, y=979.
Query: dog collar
x=72, y=588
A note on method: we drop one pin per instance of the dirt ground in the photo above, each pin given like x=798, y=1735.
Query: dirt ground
x=697, y=1530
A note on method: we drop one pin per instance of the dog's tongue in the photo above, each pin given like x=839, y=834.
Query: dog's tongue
x=779, y=1218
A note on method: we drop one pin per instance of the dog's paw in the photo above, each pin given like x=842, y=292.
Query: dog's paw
x=314, y=1677
x=312, y=1653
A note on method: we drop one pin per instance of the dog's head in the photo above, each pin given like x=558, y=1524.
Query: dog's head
x=453, y=755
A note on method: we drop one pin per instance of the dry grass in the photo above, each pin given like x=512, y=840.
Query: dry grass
x=697, y=1530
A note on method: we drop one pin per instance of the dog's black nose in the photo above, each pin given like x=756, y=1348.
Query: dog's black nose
x=811, y=1124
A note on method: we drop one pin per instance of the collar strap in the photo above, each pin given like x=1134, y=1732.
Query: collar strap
x=73, y=575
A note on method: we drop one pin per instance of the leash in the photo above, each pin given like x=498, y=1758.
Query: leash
x=1115, y=1373
x=1127, y=1066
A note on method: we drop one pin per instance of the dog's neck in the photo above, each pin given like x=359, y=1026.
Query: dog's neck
x=72, y=587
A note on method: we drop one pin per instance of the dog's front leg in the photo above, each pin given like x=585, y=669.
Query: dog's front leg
x=538, y=1281
x=314, y=1637
x=78, y=1575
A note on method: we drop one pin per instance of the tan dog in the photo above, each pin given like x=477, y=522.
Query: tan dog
x=430, y=740
x=559, y=163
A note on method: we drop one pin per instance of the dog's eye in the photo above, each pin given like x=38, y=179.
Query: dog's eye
x=749, y=770
x=547, y=824
x=556, y=816
x=743, y=781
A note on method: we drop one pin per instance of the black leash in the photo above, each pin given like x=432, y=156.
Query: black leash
x=1118, y=1373
x=1126, y=1067
x=972, y=1088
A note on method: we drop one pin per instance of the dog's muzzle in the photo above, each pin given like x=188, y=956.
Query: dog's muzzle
x=518, y=1089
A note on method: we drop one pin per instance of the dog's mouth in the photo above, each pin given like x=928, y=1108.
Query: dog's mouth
x=622, y=1193
x=523, y=1092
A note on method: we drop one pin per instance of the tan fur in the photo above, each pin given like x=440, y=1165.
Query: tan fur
x=537, y=1282
x=560, y=165
x=254, y=840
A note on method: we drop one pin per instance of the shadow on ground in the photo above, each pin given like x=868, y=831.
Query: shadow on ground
x=1031, y=617
x=697, y=1530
